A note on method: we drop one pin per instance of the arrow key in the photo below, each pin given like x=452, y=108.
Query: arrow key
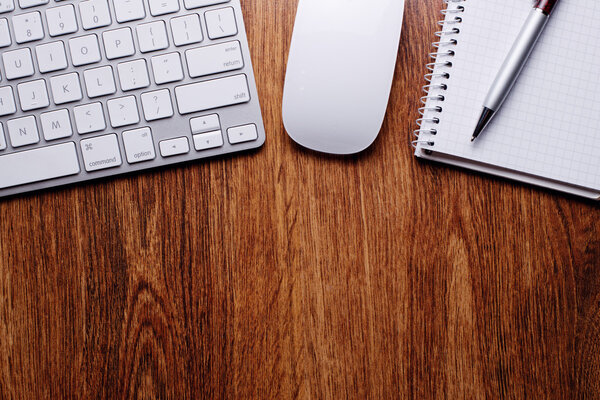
x=174, y=147
x=242, y=134
x=208, y=140
x=207, y=123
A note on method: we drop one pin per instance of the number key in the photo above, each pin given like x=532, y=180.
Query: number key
x=94, y=14
x=4, y=33
x=28, y=27
x=61, y=20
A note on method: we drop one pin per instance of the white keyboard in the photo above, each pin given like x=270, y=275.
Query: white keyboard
x=94, y=88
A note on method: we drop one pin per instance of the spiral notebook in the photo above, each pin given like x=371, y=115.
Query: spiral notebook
x=548, y=131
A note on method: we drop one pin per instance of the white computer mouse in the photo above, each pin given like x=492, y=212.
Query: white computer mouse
x=340, y=72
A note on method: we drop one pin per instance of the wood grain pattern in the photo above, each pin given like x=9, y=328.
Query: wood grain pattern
x=284, y=274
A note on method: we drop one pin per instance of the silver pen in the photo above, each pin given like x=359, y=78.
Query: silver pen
x=515, y=61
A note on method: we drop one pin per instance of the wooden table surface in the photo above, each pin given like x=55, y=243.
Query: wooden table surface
x=285, y=274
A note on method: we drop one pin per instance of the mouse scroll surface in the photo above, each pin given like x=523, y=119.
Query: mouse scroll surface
x=340, y=72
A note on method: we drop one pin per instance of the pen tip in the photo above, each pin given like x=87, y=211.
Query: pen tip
x=484, y=120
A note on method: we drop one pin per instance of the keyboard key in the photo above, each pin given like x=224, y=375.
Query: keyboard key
x=33, y=95
x=214, y=59
x=186, y=30
x=28, y=27
x=167, y=68
x=4, y=33
x=61, y=20
x=189, y=4
x=84, y=50
x=129, y=10
x=94, y=14
x=51, y=57
x=162, y=7
x=118, y=43
x=133, y=75
x=152, y=36
x=139, y=145
x=221, y=23
x=123, y=111
x=99, y=82
x=6, y=6
x=17, y=63
x=7, y=101
x=2, y=138
x=174, y=147
x=23, y=131
x=38, y=165
x=31, y=3
x=217, y=93
x=208, y=140
x=157, y=105
x=56, y=125
x=241, y=134
x=208, y=123
x=101, y=152
x=66, y=88
x=89, y=118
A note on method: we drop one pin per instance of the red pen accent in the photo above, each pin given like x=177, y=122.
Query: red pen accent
x=546, y=5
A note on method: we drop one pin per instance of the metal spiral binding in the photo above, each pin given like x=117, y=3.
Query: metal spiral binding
x=438, y=74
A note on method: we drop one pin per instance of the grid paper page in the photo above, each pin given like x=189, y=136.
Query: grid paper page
x=550, y=124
